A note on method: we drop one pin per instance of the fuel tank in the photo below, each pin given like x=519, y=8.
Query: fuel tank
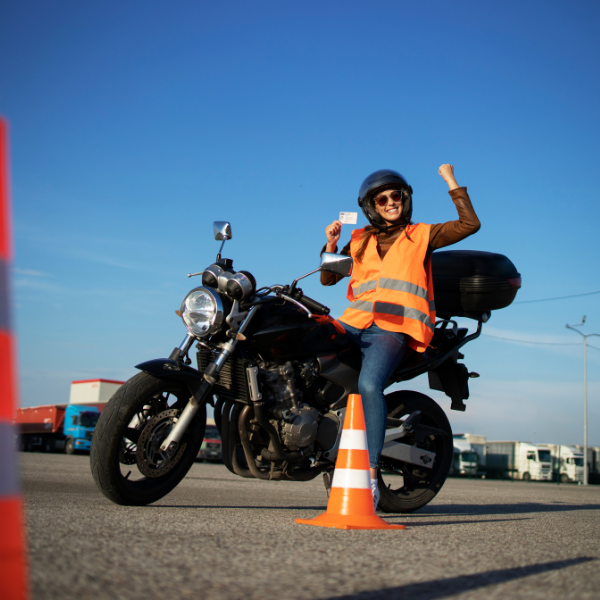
x=284, y=331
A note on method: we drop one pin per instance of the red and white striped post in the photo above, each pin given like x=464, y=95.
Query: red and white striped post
x=13, y=572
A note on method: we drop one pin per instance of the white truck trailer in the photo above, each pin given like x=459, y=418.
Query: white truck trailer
x=93, y=392
x=567, y=462
x=469, y=455
x=518, y=460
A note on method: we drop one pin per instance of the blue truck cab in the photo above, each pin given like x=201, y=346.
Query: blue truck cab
x=78, y=428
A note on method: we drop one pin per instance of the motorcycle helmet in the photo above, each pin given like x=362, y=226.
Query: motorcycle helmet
x=384, y=179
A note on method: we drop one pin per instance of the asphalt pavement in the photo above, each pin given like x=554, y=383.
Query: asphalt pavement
x=221, y=537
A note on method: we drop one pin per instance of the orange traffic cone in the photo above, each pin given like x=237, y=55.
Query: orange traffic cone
x=13, y=576
x=350, y=503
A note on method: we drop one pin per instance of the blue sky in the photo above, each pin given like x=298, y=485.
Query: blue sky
x=136, y=124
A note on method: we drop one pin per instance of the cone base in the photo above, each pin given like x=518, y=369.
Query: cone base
x=349, y=522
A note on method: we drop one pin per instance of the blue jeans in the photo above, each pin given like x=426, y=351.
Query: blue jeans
x=382, y=352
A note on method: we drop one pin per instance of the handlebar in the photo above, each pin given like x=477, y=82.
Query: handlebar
x=315, y=307
x=296, y=296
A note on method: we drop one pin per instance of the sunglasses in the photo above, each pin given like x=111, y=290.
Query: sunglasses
x=395, y=196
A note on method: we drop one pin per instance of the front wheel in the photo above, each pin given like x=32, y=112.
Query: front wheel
x=127, y=463
x=406, y=487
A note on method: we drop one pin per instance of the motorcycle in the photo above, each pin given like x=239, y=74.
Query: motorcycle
x=278, y=369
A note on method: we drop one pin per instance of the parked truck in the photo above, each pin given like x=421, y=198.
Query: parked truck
x=64, y=427
x=593, y=463
x=469, y=456
x=518, y=460
x=567, y=462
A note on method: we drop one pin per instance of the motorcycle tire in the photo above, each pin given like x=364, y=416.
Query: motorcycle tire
x=143, y=408
x=418, y=485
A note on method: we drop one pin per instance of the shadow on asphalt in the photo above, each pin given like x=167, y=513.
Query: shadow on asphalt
x=408, y=520
x=503, y=509
x=322, y=507
x=442, y=588
x=412, y=523
x=447, y=510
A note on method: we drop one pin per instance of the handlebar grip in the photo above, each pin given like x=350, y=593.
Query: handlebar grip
x=314, y=306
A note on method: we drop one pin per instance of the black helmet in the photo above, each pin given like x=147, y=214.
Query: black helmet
x=385, y=179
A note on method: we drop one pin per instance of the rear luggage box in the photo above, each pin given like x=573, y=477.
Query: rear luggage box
x=469, y=283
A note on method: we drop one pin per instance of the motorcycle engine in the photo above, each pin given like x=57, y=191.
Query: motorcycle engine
x=298, y=423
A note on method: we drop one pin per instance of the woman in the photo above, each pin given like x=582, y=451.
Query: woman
x=391, y=288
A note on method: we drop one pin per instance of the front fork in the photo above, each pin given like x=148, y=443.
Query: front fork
x=211, y=376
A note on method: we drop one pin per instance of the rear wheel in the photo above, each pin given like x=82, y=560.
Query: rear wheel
x=127, y=463
x=406, y=487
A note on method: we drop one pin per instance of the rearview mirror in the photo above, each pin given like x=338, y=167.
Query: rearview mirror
x=222, y=230
x=338, y=264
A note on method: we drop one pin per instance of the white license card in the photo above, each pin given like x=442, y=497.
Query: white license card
x=348, y=217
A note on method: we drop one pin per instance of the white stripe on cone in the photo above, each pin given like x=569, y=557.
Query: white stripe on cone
x=351, y=478
x=353, y=439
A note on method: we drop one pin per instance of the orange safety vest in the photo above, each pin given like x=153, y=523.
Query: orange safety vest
x=395, y=293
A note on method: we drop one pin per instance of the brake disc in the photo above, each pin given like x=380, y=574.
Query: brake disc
x=151, y=460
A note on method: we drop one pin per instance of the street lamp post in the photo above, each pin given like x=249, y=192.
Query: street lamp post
x=584, y=336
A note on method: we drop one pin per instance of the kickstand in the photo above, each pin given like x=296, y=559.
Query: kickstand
x=327, y=481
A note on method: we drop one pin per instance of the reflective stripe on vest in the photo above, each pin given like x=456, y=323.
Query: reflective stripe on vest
x=403, y=286
x=364, y=305
x=402, y=311
x=364, y=287
x=393, y=309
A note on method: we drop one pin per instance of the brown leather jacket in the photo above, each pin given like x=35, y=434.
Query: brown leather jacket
x=442, y=234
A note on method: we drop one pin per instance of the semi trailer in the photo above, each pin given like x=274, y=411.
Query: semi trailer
x=65, y=427
x=56, y=427
x=518, y=460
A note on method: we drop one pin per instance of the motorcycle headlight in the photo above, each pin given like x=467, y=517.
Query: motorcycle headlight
x=202, y=312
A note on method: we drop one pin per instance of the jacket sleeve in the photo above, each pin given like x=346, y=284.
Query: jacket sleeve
x=330, y=278
x=445, y=234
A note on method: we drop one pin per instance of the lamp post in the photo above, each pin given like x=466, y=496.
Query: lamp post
x=584, y=336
